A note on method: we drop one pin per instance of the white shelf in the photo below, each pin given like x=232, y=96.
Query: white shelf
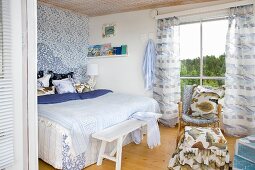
x=108, y=56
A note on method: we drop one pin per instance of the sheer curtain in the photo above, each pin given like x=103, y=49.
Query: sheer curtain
x=239, y=111
x=166, y=87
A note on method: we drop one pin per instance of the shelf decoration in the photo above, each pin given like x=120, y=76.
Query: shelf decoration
x=97, y=51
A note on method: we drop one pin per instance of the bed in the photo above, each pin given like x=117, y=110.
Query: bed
x=57, y=144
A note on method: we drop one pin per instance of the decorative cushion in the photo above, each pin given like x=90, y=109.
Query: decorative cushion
x=204, y=138
x=205, y=101
x=45, y=91
x=201, y=148
x=56, y=76
x=44, y=81
x=81, y=88
x=199, y=120
x=64, y=86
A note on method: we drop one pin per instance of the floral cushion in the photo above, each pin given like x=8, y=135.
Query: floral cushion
x=45, y=90
x=81, y=88
x=204, y=138
x=205, y=101
x=201, y=148
x=64, y=86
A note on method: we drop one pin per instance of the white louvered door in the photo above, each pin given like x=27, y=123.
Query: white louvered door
x=6, y=88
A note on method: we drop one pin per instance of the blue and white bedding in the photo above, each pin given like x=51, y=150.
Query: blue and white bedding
x=60, y=98
x=80, y=118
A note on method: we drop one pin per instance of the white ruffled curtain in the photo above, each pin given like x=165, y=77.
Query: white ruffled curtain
x=166, y=87
x=239, y=109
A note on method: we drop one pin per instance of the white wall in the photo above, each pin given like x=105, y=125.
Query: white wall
x=15, y=7
x=123, y=74
x=133, y=28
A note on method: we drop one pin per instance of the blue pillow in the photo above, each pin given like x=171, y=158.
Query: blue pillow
x=57, y=98
x=94, y=94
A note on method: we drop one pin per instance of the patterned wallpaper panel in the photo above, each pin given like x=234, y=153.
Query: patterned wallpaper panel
x=62, y=41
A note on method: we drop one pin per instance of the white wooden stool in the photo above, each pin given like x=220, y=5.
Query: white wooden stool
x=117, y=132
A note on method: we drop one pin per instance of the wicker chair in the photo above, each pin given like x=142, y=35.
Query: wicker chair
x=187, y=120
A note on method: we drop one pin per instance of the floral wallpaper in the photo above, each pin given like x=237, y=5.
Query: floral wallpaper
x=62, y=41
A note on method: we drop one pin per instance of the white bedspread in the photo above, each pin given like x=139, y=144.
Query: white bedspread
x=84, y=117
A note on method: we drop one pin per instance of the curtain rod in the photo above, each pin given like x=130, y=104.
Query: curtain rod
x=205, y=9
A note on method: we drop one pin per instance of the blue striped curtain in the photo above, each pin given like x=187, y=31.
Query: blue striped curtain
x=166, y=87
x=239, y=109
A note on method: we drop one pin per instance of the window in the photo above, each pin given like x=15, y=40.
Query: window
x=6, y=89
x=202, y=52
x=1, y=44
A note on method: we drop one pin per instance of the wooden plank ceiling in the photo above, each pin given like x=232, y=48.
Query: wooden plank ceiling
x=104, y=7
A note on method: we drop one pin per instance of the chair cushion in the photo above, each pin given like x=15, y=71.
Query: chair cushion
x=204, y=138
x=201, y=148
x=199, y=119
x=205, y=101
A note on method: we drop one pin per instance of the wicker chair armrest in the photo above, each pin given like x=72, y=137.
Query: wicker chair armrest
x=219, y=110
x=180, y=108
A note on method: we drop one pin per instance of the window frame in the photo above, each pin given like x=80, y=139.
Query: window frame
x=201, y=76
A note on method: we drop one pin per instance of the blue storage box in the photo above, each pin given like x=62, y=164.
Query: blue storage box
x=245, y=153
x=245, y=148
x=242, y=164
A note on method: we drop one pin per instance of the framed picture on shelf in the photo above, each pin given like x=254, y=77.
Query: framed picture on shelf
x=94, y=50
x=109, y=30
x=100, y=50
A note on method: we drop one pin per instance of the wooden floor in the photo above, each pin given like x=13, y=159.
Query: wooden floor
x=139, y=157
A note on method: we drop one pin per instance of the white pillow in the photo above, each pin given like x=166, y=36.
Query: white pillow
x=44, y=81
x=64, y=86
